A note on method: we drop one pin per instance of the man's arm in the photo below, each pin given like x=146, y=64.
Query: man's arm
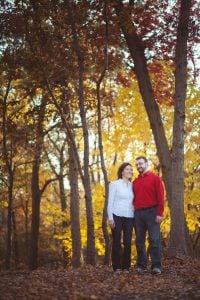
x=160, y=199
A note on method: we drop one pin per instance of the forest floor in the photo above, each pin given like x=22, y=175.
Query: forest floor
x=180, y=280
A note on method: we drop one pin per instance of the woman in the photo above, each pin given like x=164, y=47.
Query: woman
x=121, y=216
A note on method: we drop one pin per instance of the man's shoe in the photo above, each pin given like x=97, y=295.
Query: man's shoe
x=140, y=270
x=156, y=271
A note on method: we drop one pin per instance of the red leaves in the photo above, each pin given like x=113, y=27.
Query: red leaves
x=11, y=22
x=162, y=78
x=122, y=80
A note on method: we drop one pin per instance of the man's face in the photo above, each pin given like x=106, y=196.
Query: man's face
x=141, y=165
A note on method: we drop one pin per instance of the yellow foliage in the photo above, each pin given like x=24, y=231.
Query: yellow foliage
x=4, y=204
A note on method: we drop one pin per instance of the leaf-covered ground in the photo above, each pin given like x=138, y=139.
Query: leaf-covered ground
x=180, y=280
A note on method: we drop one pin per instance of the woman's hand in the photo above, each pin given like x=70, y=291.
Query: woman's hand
x=111, y=224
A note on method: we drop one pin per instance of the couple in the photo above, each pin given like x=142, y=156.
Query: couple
x=139, y=204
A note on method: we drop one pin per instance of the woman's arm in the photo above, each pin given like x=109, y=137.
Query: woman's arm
x=111, y=199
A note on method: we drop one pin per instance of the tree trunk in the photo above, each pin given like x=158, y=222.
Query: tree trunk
x=9, y=220
x=63, y=200
x=8, y=159
x=15, y=241
x=136, y=49
x=169, y=165
x=74, y=210
x=36, y=192
x=178, y=237
x=103, y=167
x=26, y=229
x=35, y=222
x=100, y=144
x=90, y=250
x=61, y=182
x=62, y=192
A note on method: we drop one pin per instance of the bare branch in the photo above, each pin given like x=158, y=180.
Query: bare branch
x=47, y=183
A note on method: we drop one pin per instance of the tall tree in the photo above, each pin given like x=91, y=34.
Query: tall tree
x=7, y=148
x=36, y=191
x=178, y=233
x=100, y=142
x=35, y=182
x=170, y=160
x=90, y=251
x=74, y=209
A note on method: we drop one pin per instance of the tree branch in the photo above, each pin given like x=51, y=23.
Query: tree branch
x=46, y=184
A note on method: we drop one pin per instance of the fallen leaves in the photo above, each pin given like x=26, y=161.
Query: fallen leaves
x=179, y=280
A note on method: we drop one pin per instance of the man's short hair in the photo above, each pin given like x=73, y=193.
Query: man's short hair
x=142, y=157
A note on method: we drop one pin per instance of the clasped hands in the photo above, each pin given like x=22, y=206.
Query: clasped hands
x=112, y=223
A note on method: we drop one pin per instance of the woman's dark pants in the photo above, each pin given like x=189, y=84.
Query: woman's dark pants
x=121, y=257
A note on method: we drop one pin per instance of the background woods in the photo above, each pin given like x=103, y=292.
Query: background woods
x=86, y=85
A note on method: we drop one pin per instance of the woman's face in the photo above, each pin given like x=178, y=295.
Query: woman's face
x=127, y=173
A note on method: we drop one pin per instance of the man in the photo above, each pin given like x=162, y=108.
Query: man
x=149, y=206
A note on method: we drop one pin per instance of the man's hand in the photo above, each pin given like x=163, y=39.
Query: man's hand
x=159, y=219
x=111, y=224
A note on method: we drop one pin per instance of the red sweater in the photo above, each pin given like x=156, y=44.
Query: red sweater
x=149, y=191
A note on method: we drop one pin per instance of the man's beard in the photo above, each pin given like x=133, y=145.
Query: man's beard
x=140, y=170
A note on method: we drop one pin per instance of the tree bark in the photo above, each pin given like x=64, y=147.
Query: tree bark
x=26, y=212
x=90, y=250
x=172, y=166
x=100, y=143
x=63, y=200
x=106, y=182
x=9, y=219
x=137, y=49
x=178, y=236
x=36, y=192
x=74, y=210
x=35, y=222
x=15, y=241
x=8, y=159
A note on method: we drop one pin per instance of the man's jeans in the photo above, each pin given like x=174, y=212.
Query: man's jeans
x=145, y=222
x=121, y=257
